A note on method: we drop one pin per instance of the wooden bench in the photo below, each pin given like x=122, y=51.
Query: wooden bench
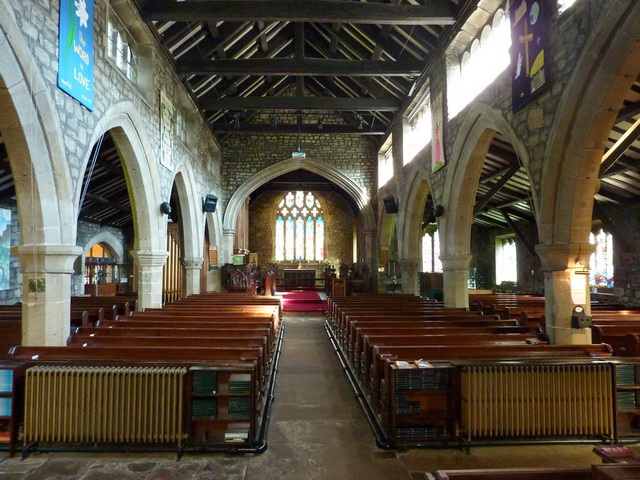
x=382, y=354
x=515, y=474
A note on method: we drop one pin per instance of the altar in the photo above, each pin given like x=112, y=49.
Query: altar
x=299, y=278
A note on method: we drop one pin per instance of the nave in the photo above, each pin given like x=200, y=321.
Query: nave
x=317, y=431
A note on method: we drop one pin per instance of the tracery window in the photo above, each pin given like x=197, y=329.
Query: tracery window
x=601, y=261
x=431, y=252
x=299, y=227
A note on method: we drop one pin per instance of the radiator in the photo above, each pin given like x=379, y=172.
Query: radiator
x=104, y=404
x=537, y=401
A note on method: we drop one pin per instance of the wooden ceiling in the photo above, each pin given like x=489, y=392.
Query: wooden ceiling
x=351, y=62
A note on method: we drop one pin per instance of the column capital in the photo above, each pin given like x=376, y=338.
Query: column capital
x=192, y=263
x=149, y=258
x=228, y=231
x=557, y=257
x=455, y=262
x=46, y=258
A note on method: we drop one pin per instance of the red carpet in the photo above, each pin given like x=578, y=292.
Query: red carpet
x=305, y=301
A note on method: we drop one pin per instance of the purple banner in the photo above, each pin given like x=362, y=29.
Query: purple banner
x=527, y=51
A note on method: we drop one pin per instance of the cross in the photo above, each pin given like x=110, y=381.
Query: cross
x=526, y=38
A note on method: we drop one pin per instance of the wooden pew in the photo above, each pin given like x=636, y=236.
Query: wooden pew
x=382, y=354
x=515, y=474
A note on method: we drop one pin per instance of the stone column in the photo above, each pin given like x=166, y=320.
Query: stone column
x=370, y=259
x=228, y=234
x=409, y=273
x=566, y=284
x=192, y=271
x=150, y=263
x=46, y=290
x=455, y=280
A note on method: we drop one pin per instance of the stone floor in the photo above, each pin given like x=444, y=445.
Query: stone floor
x=317, y=432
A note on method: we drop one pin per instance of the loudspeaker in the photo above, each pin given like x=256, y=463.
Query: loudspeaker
x=390, y=205
x=209, y=204
x=579, y=318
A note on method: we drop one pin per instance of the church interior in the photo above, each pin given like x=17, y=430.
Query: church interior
x=320, y=239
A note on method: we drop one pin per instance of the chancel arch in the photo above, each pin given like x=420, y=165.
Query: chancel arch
x=355, y=192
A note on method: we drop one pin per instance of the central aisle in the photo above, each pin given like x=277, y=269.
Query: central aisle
x=317, y=429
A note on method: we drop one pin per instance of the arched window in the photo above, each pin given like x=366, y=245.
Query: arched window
x=506, y=259
x=431, y=252
x=100, y=265
x=601, y=262
x=299, y=227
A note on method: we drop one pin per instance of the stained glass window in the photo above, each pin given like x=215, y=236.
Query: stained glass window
x=601, y=262
x=506, y=259
x=299, y=227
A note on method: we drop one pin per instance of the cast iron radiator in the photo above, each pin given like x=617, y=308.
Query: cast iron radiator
x=73, y=404
x=538, y=401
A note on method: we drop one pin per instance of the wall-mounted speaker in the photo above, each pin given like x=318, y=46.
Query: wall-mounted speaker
x=390, y=205
x=209, y=204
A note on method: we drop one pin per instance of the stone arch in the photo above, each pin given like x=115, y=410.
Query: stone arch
x=30, y=127
x=593, y=96
x=358, y=194
x=463, y=173
x=105, y=237
x=410, y=216
x=127, y=129
x=191, y=216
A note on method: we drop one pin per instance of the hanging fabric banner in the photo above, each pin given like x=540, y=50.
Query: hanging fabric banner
x=75, y=50
x=527, y=51
x=437, y=144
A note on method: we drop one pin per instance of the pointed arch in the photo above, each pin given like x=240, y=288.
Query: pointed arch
x=127, y=129
x=412, y=204
x=463, y=174
x=588, y=108
x=191, y=215
x=30, y=129
x=356, y=192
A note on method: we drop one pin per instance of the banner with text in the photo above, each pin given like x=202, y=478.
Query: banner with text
x=527, y=51
x=75, y=50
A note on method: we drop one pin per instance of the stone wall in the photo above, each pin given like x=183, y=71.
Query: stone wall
x=38, y=23
x=339, y=225
x=246, y=155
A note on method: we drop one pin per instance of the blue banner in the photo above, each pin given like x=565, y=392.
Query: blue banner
x=75, y=50
x=527, y=51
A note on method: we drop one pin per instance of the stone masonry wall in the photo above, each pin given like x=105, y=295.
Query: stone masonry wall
x=246, y=155
x=339, y=223
x=38, y=22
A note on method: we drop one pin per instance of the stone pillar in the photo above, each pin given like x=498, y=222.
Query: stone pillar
x=371, y=260
x=228, y=236
x=150, y=263
x=409, y=273
x=192, y=271
x=566, y=284
x=46, y=290
x=455, y=280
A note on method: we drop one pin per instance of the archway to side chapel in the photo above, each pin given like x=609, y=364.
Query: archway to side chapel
x=583, y=154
